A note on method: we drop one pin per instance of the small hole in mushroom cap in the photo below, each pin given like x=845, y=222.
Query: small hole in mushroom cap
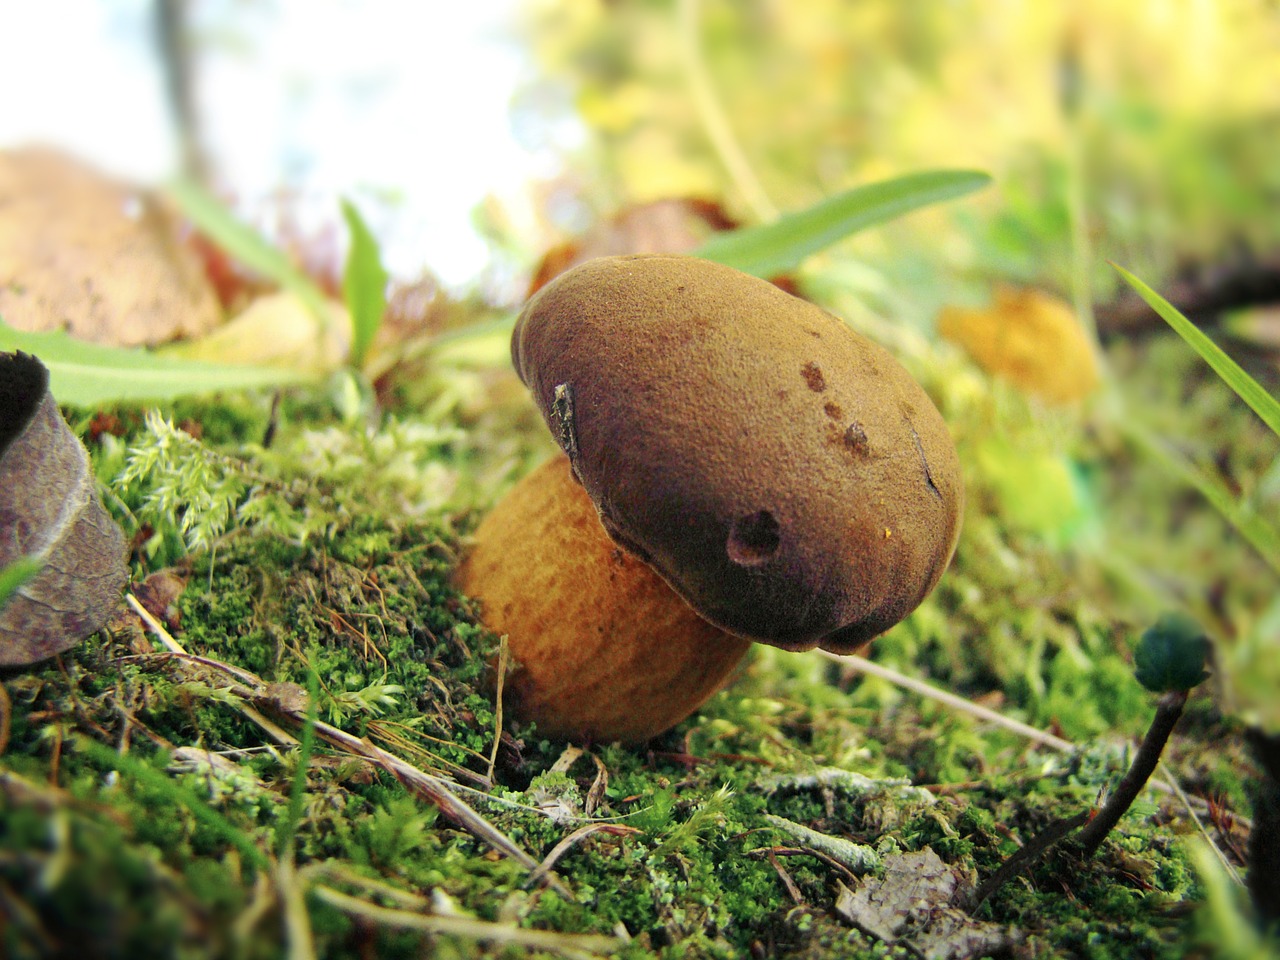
x=753, y=539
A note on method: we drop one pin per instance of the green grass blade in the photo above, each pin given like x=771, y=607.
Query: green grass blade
x=1257, y=532
x=12, y=577
x=1248, y=389
x=287, y=828
x=364, y=284
x=87, y=374
x=246, y=245
x=777, y=247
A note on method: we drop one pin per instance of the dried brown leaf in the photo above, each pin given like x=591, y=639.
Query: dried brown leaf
x=276, y=330
x=911, y=904
x=662, y=226
x=49, y=509
x=159, y=593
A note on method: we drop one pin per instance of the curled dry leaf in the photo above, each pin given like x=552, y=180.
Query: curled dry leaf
x=100, y=259
x=49, y=509
x=912, y=903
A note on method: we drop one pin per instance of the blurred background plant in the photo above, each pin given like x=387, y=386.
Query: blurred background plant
x=1169, y=111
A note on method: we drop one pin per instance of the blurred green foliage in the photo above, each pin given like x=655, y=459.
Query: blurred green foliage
x=1170, y=112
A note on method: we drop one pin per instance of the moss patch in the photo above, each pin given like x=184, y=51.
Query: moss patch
x=322, y=570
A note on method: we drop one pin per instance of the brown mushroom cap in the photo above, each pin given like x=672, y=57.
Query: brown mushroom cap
x=783, y=474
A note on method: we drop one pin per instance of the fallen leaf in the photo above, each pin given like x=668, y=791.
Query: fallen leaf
x=50, y=511
x=911, y=904
x=159, y=595
x=96, y=257
x=661, y=226
x=1029, y=338
x=278, y=330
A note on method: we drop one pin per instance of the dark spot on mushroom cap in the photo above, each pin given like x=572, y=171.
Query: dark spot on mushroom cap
x=692, y=441
x=812, y=374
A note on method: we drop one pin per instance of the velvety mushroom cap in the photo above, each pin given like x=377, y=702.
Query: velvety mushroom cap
x=783, y=474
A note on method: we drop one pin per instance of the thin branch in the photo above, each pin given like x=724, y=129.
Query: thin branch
x=1028, y=854
x=768, y=852
x=432, y=788
x=156, y=627
x=792, y=890
x=563, y=847
x=437, y=791
x=1094, y=828
x=863, y=665
x=504, y=656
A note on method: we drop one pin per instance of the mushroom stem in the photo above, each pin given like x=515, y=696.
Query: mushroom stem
x=604, y=648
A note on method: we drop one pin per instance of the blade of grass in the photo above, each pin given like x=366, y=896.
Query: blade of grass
x=712, y=114
x=1248, y=389
x=88, y=374
x=1260, y=535
x=364, y=284
x=774, y=248
x=245, y=244
x=288, y=827
x=437, y=790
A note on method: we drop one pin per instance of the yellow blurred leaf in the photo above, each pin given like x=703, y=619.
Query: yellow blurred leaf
x=277, y=330
x=1029, y=338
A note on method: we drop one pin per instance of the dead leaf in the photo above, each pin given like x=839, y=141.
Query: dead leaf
x=98, y=258
x=1029, y=338
x=911, y=903
x=49, y=509
x=662, y=226
x=159, y=594
x=276, y=330
x=289, y=698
